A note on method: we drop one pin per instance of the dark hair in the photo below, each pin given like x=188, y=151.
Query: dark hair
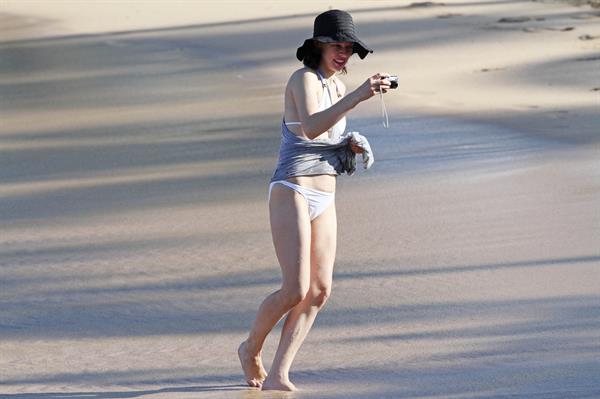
x=312, y=56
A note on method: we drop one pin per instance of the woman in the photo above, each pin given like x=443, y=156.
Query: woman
x=301, y=193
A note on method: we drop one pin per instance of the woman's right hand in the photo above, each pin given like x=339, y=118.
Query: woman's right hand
x=372, y=86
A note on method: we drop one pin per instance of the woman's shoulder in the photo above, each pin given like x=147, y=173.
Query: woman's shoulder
x=304, y=76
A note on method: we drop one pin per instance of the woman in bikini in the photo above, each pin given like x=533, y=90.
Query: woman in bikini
x=302, y=190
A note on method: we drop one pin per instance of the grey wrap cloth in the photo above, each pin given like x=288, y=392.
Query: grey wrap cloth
x=301, y=157
x=362, y=142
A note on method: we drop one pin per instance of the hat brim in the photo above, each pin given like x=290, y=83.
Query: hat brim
x=359, y=47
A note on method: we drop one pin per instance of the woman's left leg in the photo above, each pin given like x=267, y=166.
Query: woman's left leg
x=301, y=317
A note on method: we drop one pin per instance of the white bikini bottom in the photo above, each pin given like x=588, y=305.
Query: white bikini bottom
x=317, y=200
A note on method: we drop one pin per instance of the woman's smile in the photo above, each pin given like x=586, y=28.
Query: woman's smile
x=340, y=62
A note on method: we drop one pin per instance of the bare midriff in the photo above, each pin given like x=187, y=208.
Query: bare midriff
x=319, y=182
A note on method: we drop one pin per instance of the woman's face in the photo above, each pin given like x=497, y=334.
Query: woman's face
x=334, y=56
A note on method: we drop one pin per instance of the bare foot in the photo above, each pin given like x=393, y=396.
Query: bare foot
x=278, y=384
x=252, y=365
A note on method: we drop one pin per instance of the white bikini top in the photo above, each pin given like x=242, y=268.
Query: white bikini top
x=336, y=130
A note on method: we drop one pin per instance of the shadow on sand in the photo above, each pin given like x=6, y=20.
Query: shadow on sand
x=127, y=394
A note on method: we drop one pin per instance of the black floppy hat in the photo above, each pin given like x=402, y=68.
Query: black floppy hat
x=334, y=26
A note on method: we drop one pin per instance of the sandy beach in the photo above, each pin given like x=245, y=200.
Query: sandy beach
x=136, y=145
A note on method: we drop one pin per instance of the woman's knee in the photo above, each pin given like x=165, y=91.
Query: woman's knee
x=320, y=293
x=293, y=295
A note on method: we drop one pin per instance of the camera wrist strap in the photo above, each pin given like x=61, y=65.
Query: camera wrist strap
x=384, y=114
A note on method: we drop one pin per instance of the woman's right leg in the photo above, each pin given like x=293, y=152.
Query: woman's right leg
x=291, y=231
x=300, y=318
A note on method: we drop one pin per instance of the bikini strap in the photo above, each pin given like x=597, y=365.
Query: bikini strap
x=325, y=85
x=321, y=78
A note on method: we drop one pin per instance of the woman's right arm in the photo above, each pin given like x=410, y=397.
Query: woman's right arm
x=305, y=84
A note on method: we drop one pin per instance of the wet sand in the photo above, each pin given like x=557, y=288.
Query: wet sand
x=134, y=238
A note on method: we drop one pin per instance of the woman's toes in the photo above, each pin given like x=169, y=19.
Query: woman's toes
x=252, y=366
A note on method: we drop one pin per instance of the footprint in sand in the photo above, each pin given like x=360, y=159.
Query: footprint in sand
x=424, y=4
x=511, y=20
x=588, y=37
x=595, y=89
x=530, y=29
x=565, y=29
x=449, y=15
x=490, y=69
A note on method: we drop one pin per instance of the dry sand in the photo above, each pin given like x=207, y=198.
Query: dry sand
x=136, y=144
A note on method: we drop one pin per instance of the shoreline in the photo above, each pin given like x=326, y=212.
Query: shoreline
x=425, y=89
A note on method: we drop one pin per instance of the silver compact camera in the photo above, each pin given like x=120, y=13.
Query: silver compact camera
x=393, y=81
